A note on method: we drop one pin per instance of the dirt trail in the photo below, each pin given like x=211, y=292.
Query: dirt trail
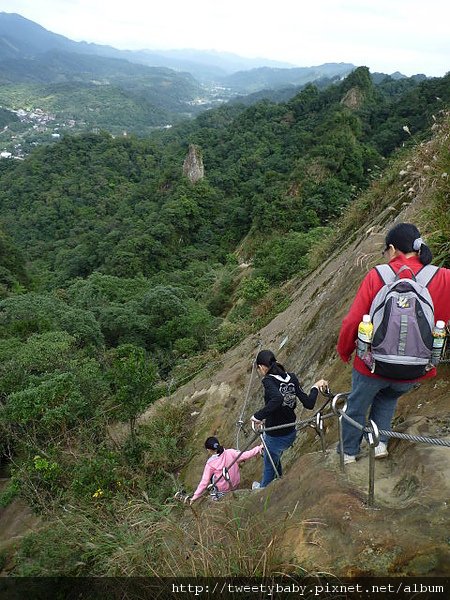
x=16, y=520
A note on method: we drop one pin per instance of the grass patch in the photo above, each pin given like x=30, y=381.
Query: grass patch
x=142, y=539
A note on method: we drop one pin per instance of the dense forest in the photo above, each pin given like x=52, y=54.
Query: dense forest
x=120, y=278
x=113, y=227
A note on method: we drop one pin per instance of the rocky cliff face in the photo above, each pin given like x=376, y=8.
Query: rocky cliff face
x=333, y=529
x=353, y=98
x=193, y=167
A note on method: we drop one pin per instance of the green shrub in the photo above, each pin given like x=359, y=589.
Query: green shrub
x=49, y=406
x=39, y=480
x=185, y=346
x=164, y=436
x=51, y=551
x=97, y=476
x=282, y=257
x=132, y=376
x=48, y=469
x=254, y=288
x=228, y=335
x=10, y=492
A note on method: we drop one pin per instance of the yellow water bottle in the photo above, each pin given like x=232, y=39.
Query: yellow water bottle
x=365, y=331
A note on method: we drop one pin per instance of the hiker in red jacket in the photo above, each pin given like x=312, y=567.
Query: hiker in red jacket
x=372, y=393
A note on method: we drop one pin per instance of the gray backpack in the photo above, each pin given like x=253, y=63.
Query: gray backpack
x=402, y=314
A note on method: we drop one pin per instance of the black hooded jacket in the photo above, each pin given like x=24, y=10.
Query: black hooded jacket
x=280, y=397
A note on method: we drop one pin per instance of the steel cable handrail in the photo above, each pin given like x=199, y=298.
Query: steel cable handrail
x=297, y=424
x=372, y=432
x=240, y=421
x=397, y=434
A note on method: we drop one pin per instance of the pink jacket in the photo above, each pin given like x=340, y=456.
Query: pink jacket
x=216, y=463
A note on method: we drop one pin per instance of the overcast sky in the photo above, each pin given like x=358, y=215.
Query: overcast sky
x=411, y=36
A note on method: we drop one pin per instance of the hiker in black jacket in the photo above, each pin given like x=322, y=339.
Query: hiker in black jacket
x=281, y=391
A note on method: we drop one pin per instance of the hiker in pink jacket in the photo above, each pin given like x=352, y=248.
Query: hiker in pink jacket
x=213, y=471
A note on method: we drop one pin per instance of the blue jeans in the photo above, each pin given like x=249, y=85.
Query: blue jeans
x=374, y=399
x=276, y=445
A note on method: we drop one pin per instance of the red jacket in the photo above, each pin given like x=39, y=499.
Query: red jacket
x=439, y=289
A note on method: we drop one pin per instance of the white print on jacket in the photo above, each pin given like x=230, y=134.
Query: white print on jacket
x=287, y=390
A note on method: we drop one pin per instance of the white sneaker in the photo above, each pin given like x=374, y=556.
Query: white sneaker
x=381, y=450
x=349, y=458
x=256, y=485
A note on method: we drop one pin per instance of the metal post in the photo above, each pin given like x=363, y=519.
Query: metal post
x=374, y=439
x=341, y=444
x=338, y=412
x=263, y=441
x=371, y=498
x=320, y=430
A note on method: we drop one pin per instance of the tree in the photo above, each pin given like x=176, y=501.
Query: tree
x=132, y=376
x=48, y=407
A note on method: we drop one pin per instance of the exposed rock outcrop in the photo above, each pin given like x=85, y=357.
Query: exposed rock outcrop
x=193, y=167
x=353, y=98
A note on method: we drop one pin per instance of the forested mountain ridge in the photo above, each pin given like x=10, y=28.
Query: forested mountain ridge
x=271, y=169
x=54, y=84
x=264, y=78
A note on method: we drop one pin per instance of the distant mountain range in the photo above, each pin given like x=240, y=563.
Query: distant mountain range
x=29, y=52
x=83, y=86
x=24, y=40
x=274, y=78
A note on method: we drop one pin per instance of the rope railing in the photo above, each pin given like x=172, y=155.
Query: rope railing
x=240, y=422
x=297, y=424
x=304, y=422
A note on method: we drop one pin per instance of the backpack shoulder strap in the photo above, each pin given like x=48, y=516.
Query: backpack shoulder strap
x=426, y=274
x=405, y=268
x=386, y=273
